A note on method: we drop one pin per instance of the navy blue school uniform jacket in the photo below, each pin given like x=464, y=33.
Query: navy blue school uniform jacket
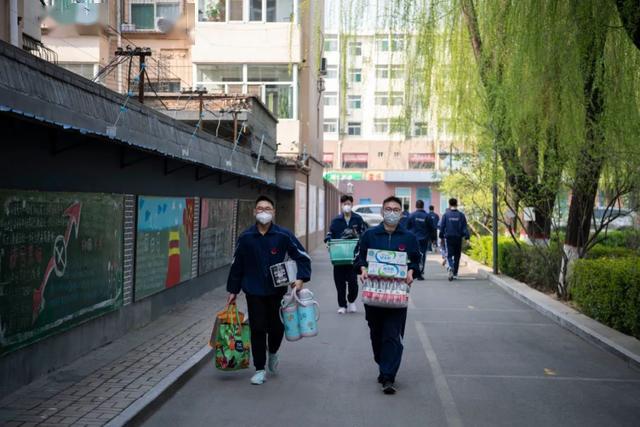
x=339, y=224
x=255, y=253
x=401, y=240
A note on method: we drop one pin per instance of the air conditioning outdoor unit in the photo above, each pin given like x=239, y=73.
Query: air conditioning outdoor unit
x=164, y=25
x=125, y=27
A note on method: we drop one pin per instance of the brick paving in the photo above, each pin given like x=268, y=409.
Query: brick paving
x=102, y=384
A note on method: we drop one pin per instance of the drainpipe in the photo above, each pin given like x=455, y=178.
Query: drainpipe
x=119, y=28
x=13, y=23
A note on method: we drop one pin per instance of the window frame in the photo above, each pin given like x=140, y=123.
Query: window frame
x=355, y=72
x=333, y=122
x=330, y=95
x=155, y=12
x=354, y=45
x=354, y=125
x=246, y=13
x=356, y=98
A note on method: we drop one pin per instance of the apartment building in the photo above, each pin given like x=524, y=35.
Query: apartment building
x=373, y=147
x=20, y=22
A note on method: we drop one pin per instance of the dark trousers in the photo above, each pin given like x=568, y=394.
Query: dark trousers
x=454, y=249
x=423, y=249
x=432, y=243
x=345, y=278
x=266, y=328
x=386, y=328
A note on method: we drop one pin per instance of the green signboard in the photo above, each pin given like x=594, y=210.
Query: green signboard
x=344, y=176
x=216, y=234
x=60, y=262
x=164, y=243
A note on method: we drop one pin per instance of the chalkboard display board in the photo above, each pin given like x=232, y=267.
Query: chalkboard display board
x=216, y=234
x=164, y=243
x=246, y=217
x=60, y=262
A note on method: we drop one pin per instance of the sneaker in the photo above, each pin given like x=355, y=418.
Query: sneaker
x=444, y=262
x=388, y=387
x=352, y=307
x=455, y=277
x=380, y=379
x=420, y=278
x=450, y=275
x=273, y=363
x=342, y=310
x=259, y=378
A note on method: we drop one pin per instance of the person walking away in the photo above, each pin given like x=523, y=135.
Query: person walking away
x=404, y=220
x=433, y=236
x=387, y=325
x=347, y=224
x=453, y=228
x=420, y=225
x=258, y=248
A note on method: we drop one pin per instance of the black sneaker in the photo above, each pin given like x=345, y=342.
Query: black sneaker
x=380, y=379
x=420, y=278
x=388, y=387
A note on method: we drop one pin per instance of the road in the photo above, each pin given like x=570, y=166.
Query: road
x=474, y=356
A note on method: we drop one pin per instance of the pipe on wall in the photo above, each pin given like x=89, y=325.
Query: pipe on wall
x=14, y=27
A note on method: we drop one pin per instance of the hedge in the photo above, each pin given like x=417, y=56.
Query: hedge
x=608, y=290
x=603, y=251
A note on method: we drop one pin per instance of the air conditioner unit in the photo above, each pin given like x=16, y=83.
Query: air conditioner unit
x=125, y=27
x=164, y=25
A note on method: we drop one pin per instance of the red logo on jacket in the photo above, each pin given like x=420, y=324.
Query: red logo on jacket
x=402, y=247
x=274, y=251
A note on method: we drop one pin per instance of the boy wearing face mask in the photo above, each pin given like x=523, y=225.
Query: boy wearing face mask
x=258, y=248
x=343, y=275
x=386, y=325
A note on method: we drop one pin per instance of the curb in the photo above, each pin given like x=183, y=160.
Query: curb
x=617, y=343
x=141, y=407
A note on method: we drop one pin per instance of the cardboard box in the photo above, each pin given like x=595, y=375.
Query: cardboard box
x=284, y=273
x=387, y=257
x=392, y=271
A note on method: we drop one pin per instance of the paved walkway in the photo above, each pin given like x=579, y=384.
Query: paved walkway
x=101, y=385
x=474, y=356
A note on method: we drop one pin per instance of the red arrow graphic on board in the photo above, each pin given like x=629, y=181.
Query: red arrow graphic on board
x=58, y=261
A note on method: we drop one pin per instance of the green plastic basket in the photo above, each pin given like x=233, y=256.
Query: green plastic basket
x=341, y=251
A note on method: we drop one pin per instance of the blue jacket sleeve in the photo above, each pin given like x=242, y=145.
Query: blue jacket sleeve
x=234, y=281
x=301, y=257
x=443, y=225
x=333, y=233
x=465, y=228
x=360, y=253
x=411, y=223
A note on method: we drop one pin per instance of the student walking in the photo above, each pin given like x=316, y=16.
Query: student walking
x=348, y=225
x=433, y=236
x=453, y=228
x=420, y=225
x=258, y=248
x=387, y=325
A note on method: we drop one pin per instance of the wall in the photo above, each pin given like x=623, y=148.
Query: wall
x=377, y=191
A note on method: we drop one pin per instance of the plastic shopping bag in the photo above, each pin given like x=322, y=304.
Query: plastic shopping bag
x=231, y=340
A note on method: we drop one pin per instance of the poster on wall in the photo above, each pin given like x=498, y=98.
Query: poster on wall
x=321, y=209
x=60, y=262
x=164, y=243
x=301, y=209
x=313, y=208
x=245, y=217
x=216, y=234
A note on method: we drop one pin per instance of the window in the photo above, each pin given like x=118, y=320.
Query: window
x=397, y=71
x=397, y=98
x=331, y=45
x=86, y=70
x=255, y=10
x=396, y=154
x=355, y=48
x=380, y=154
x=397, y=43
x=397, y=125
x=272, y=83
x=330, y=99
x=219, y=73
x=212, y=10
x=236, y=10
x=381, y=126
x=355, y=160
x=144, y=14
x=332, y=72
x=422, y=160
x=382, y=71
x=381, y=99
x=355, y=75
x=354, y=128
x=327, y=160
x=420, y=129
x=354, y=102
x=331, y=126
x=382, y=43
x=280, y=10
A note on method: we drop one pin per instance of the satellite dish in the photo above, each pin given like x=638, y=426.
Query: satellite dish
x=164, y=25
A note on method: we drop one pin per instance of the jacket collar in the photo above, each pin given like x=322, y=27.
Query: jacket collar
x=254, y=229
x=379, y=229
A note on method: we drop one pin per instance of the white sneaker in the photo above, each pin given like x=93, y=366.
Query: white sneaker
x=352, y=307
x=342, y=310
x=259, y=378
x=273, y=363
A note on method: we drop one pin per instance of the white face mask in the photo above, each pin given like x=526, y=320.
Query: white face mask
x=264, y=218
x=346, y=208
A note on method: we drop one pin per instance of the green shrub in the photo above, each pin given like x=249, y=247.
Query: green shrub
x=602, y=251
x=627, y=238
x=608, y=290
